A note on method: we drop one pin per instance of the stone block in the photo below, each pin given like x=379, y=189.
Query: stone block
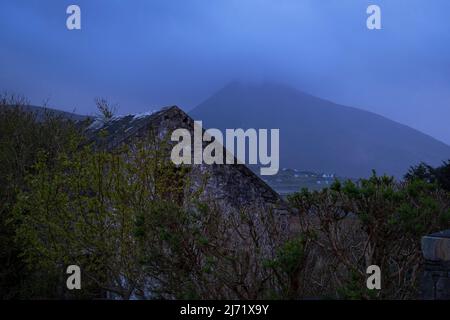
x=443, y=289
x=436, y=247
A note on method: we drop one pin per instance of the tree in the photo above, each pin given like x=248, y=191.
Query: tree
x=106, y=111
x=376, y=221
x=23, y=135
x=81, y=208
x=439, y=175
x=207, y=253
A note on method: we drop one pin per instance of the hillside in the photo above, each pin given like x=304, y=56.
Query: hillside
x=321, y=136
x=41, y=112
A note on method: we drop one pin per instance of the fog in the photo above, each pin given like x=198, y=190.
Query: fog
x=145, y=54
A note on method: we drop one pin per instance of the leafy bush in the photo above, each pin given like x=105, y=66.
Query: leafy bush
x=22, y=137
x=133, y=223
x=374, y=222
x=439, y=175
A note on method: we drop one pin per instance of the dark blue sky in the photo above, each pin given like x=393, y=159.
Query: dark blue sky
x=143, y=54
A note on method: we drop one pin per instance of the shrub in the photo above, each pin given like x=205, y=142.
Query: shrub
x=374, y=222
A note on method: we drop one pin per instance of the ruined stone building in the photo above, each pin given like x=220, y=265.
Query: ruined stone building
x=233, y=186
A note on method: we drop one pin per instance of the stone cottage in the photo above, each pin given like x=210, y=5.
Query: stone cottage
x=233, y=186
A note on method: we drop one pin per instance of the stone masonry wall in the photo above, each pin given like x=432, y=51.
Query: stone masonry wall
x=436, y=277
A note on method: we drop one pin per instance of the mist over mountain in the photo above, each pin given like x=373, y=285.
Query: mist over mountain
x=319, y=135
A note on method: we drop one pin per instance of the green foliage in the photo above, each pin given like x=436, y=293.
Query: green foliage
x=352, y=289
x=135, y=225
x=128, y=218
x=290, y=256
x=22, y=138
x=375, y=221
x=439, y=175
x=288, y=266
x=85, y=207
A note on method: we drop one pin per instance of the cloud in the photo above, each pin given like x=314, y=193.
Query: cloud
x=147, y=53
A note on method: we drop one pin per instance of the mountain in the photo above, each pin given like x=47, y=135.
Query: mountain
x=42, y=112
x=320, y=136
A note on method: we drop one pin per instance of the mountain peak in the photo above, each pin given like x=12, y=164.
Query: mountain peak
x=319, y=135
